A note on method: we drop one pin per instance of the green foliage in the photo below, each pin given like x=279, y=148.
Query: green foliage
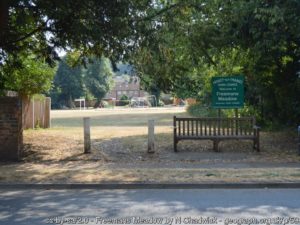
x=68, y=85
x=161, y=103
x=105, y=104
x=260, y=39
x=32, y=76
x=92, y=27
x=176, y=46
x=91, y=82
x=124, y=100
x=98, y=78
x=198, y=110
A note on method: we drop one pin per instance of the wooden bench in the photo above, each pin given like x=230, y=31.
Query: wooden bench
x=215, y=129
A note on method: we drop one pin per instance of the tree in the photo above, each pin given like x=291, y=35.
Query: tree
x=31, y=77
x=98, y=78
x=80, y=82
x=92, y=27
x=200, y=39
x=68, y=84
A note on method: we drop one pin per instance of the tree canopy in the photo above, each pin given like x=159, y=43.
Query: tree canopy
x=200, y=39
x=92, y=81
x=92, y=27
x=174, y=45
x=31, y=77
x=98, y=78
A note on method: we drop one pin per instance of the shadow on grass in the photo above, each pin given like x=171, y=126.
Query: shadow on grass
x=34, y=152
x=275, y=148
x=130, y=149
x=134, y=149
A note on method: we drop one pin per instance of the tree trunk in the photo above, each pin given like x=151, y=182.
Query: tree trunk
x=70, y=103
x=4, y=6
x=98, y=104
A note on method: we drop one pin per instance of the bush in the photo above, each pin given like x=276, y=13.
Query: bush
x=198, y=110
x=124, y=100
x=161, y=103
x=104, y=104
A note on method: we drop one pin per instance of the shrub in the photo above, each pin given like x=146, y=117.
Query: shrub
x=124, y=100
x=198, y=110
x=161, y=103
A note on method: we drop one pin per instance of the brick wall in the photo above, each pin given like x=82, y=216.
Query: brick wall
x=11, y=132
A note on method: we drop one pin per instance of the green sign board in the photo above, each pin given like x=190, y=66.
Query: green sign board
x=228, y=92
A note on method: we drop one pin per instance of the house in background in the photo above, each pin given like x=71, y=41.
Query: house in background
x=126, y=85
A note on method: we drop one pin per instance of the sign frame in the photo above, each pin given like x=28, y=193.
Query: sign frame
x=228, y=92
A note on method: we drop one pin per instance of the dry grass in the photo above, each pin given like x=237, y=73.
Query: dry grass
x=119, y=153
x=97, y=173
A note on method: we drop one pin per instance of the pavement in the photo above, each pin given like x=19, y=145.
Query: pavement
x=159, y=206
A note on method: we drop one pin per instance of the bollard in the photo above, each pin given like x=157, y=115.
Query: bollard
x=298, y=140
x=87, y=135
x=151, y=136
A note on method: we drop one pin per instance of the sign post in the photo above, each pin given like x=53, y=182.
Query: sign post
x=298, y=140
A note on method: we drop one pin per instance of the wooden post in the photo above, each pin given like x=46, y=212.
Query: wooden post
x=299, y=140
x=175, y=134
x=87, y=135
x=33, y=120
x=258, y=141
x=151, y=136
x=236, y=121
x=219, y=121
x=48, y=111
x=216, y=145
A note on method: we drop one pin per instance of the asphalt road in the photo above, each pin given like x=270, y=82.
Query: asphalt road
x=193, y=206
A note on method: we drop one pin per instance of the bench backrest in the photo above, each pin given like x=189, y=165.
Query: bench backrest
x=214, y=126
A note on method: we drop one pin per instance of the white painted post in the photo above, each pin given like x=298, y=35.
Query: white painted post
x=151, y=146
x=50, y=122
x=33, y=119
x=87, y=135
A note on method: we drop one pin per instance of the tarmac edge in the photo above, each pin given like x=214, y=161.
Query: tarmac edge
x=110, y=186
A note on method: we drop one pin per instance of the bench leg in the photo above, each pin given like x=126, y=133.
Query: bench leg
x=257, y=145
x=254, y=144
x=175, y=145
x=216, y=145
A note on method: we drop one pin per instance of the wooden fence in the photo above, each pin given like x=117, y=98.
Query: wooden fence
x=36, y=112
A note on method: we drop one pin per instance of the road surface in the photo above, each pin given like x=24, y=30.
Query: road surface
x=167, y=206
